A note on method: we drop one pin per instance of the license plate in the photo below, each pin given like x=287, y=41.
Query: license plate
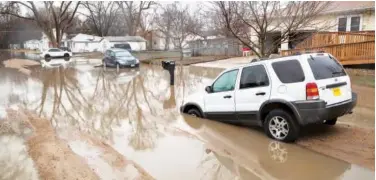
x=132, y=65
x=336, y=91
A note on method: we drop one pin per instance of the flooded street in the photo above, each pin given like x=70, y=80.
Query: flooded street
x=93, y=123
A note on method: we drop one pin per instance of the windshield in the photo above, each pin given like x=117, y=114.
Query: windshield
x=324, y=67
x=123, y=54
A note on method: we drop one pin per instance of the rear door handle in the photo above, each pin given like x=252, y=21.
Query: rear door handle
x=227, y=97
x=260, y=93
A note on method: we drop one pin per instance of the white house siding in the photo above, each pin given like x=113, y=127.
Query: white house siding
x=88, y=43
x=138, y=46
x=32, y=44
x=368, y=21
x=90, y=46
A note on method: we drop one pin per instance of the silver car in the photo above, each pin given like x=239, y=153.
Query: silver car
x=119, y=57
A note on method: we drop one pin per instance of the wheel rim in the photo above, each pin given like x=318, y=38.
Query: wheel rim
x=278, y=127
x=193, y=114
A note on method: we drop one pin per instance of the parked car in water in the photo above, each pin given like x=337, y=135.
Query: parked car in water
x=56, y=53
x=119, y=57
x=281, y=94
x=125, y=46
x=65, y=49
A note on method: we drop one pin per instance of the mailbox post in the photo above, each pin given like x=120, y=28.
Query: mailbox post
x=170, y=67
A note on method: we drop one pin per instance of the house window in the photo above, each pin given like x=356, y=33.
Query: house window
x=350, y=23
x=355, y=23
x=342, y=24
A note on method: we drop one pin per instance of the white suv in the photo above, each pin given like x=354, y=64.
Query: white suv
x=280, y=94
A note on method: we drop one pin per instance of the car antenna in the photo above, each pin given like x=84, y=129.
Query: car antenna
x=311, y=57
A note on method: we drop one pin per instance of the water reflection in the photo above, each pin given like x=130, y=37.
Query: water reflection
x=249, y=155
x=96, y=100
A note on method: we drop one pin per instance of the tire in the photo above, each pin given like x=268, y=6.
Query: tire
x=66, y=57
x=194, y=112
x=281, y=125
x=47, y=58
x=331, y=122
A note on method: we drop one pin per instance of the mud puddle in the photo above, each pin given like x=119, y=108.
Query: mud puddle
x=127, y=125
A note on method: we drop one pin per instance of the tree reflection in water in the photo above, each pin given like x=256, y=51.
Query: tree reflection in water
x=98, y=100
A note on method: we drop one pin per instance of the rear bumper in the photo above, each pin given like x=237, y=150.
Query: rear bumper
x=316, y=111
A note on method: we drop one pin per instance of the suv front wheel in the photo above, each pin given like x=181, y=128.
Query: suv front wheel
x=194, y=112
x=280, y=125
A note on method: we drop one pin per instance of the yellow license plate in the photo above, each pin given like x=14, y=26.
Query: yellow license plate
x=336, y=91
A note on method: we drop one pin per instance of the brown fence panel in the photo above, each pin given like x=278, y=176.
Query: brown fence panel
x=347, y=54
x=329, y=38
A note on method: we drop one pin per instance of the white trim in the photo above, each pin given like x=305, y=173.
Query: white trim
x=348, y=21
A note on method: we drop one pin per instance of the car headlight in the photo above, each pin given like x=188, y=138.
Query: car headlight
x=137, y=61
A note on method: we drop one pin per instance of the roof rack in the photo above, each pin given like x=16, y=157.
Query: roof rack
x=308, y=52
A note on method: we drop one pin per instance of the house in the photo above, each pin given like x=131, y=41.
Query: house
x=157, y=41
x=350, y=38
x=43, y=43
x=137, y=43
x=87, y=43
x=32, y=44
x=340, y=16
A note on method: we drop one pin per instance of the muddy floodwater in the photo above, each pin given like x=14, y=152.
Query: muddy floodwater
x=126, y=125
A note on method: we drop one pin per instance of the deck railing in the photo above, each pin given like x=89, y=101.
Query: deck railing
x=329, y=38
x=347, y=54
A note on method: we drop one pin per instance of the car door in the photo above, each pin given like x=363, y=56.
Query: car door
x=52, y=52
x=254, y=89
x=220, y=102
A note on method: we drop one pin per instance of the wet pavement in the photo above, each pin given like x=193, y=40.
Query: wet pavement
x=126, y=125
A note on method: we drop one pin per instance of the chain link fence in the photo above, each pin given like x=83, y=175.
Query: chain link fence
x=216, y=47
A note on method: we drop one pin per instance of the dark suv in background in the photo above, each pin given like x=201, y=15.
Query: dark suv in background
x=125, y=46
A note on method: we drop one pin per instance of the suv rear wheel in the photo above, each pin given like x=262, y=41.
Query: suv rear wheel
x=280, y=125
x=194, y=112
x=331, y=122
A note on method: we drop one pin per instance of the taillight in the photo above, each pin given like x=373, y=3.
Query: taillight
x=312, y=92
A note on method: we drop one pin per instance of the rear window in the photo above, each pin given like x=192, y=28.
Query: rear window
x=324, y=67
x=289, y=71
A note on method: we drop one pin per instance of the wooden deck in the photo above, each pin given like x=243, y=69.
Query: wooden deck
x=349, y=48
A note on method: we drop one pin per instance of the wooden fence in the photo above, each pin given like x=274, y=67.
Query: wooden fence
x=347, y=54
x=330, y=38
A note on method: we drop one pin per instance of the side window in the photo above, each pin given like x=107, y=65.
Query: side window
x=226, y=82
x=355, y=23
x=289, y=71
x=342, y=24
x=254, y=76
x=52, y=50
x=112, y=53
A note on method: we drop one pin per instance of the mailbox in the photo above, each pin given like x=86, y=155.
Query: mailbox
x=170, y=67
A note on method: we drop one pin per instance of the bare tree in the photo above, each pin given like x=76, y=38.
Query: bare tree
x=101, y=17
x=164, y=24
x=176, y=24
x=54, y=18
x=252, y=21
x=133, y=12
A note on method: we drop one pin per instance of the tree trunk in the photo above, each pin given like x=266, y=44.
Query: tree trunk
x=181, y=54
x=167, y=43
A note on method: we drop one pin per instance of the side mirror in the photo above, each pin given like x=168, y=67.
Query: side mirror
x=208, y=89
